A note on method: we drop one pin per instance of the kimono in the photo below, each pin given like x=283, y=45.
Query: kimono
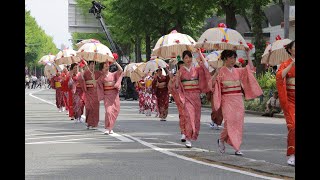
x=286, y=92
x=109, y=86
x=162, y=95
x=140, y=89
x=193, y=81
x=56, y=84
x=77, y=89
x=227, y=95
x=177, y=100
x=91, y=97
x=148, y=103
x=67, y=94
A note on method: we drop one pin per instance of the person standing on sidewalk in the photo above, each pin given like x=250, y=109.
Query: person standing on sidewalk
x=160, y=86
x=190, y=82
x=227, y=94
x=109, y=85
x=92, y=105
x=76, y=86
x=285, y=81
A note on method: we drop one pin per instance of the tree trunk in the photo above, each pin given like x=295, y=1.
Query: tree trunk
x=179, y=26
x=230, y=11
x=259, y=41
x=148, y=47
x=138, y=49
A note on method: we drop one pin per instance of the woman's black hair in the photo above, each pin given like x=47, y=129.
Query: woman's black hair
x=101, y=66
x=228, y=53
x=186, y=52
x=73, y=65
x=180, y=62
x=89, y=62
x=159, y=69
x=289, y=46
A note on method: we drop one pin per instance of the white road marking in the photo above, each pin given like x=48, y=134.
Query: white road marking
x=31, y=94
x=118, y=136
x=166, y=151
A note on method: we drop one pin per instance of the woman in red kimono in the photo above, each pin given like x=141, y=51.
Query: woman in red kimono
x=227, y=94
x=109, y=85
x=160, y=85
x=285, y=80
x=67, y=92
x=76, y=86
x=92, y=105
x=190, y=82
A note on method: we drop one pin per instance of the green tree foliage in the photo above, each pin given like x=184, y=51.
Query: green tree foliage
x=143, y=22
x=38, y=43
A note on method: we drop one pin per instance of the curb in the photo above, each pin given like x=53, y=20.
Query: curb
x=252, y=112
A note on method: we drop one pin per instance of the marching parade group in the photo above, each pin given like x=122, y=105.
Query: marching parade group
x=80, y=87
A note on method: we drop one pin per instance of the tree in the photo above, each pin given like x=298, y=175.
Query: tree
x=37, y=42
x=259, y=42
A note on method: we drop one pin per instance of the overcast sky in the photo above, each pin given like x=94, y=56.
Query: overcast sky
x=52, y=16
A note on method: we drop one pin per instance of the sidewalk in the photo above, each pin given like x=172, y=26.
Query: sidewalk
x=280, y=115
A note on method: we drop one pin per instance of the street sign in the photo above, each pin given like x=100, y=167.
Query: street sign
x=77, y=22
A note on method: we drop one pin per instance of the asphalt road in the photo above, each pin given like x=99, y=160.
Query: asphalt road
x=144, y=147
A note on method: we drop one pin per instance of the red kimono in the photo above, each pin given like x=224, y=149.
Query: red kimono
x=286, y=91
x=56, y=84
x=67, y=93
x=162, y=94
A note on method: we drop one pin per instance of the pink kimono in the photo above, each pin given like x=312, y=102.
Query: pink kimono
x=228, y=95
x=91, y=98
x=193, y=82
x=177, y=100
x=108, y=88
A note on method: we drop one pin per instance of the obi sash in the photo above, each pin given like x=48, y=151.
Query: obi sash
x=190, y=84
x=290, y=84
x=148, y=83
x=162, y=85
x=90, y=83
x=108, y=85
x=230, y=87
x=57, y=84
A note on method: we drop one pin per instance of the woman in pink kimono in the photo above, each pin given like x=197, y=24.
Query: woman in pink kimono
x=190, y=82
x=227, y=84
x=90, y=77
x=109, y=85
x=76, y=86
x=178, y=103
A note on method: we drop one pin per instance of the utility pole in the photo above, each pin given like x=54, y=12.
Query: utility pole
x=286, y=18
